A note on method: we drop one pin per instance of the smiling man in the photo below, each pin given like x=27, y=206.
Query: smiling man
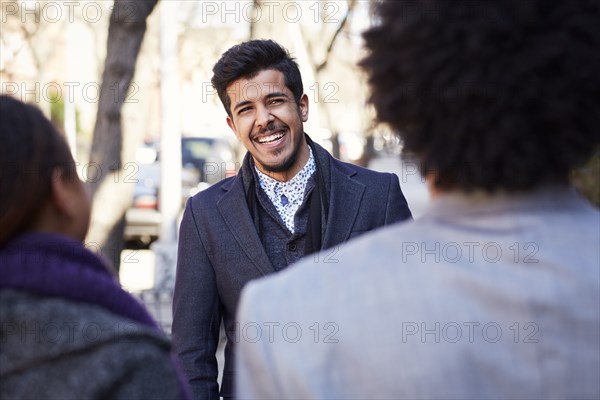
x=290, y=199
x=266, y=117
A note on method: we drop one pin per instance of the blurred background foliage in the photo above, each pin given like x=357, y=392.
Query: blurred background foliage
x=57, y=110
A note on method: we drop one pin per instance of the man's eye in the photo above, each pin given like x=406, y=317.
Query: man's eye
x=276, y=101
x=242, y=110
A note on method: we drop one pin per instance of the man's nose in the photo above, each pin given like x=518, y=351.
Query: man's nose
x=263, y=117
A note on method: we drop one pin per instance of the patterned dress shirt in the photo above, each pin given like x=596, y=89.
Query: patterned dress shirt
x=287, y=196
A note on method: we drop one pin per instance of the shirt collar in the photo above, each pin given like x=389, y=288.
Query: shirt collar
x=293, y=188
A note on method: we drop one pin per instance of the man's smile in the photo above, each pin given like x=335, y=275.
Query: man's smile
x=271, y=136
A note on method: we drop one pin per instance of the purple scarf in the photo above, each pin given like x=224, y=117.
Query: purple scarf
x=54, y=265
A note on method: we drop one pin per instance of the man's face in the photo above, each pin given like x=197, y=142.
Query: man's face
x=267, y=120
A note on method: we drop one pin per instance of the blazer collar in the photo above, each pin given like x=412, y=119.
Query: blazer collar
x=234, y=210
x=345, y=195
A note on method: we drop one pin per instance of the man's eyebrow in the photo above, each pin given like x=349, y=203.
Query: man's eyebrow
x=276, y=94
x=241, y=104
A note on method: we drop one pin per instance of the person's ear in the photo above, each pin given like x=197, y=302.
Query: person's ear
x=232, y=126
x=62, y=193
x=303, y=107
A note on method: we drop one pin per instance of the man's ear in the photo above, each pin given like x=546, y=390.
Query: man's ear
x=232, y=126
x=303, y=106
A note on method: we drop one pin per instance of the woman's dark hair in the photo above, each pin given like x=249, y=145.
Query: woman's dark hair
x=247, y=59
x=489, y=94
x=31, y=150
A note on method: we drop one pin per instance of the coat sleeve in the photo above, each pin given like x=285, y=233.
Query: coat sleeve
x=396, y=206
x=196, y=311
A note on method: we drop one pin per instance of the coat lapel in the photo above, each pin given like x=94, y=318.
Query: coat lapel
x=234, y=211
x=345, y=195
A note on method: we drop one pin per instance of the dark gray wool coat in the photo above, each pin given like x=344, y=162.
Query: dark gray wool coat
x=53, y=348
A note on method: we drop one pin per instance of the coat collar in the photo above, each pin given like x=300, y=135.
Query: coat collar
x=345, y=194
x=233, y=207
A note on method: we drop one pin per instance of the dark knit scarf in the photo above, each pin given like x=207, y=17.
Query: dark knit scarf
x=318, y=207
x=54, y=265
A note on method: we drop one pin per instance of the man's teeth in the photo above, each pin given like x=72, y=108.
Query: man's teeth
x=270, y=138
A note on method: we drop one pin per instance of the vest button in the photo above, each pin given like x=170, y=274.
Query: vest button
x=292, y=246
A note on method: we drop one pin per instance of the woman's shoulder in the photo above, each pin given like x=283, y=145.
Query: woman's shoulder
x=66, y=323
x=52, y=338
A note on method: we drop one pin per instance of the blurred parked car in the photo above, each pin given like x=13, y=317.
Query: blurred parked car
x=205, y=161
x=143, y=218
x=213, y=157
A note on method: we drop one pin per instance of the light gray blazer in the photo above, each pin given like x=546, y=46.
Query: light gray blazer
x=481, y=298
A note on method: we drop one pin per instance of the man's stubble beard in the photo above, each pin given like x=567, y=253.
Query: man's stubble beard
x=285, y=165
x=291, y=160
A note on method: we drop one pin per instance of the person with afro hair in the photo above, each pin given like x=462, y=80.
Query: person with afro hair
x=494, y=292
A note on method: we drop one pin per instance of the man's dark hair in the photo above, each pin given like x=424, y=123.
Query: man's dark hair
x=489, y=94
x=30, y=152
x=248, y=59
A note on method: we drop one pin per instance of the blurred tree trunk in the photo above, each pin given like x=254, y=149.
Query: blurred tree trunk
x=257, y=4
x=105, y=172
x=368, y=152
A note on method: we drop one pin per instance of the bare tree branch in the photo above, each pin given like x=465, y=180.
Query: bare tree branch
x=323, y=64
